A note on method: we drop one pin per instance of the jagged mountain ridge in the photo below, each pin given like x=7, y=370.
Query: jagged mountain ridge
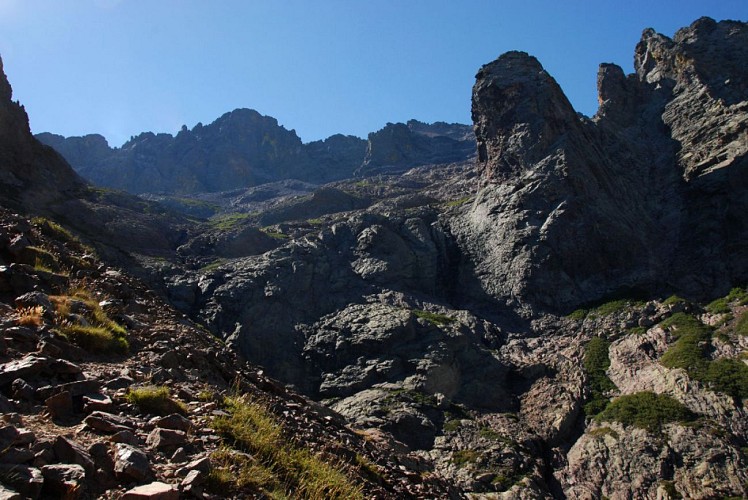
x=648, y=196
x=243, y=148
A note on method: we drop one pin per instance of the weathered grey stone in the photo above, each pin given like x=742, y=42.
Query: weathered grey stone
x=107, y=422
x=174, y=421
x=131, y=463
x=152, y=491
x=64, y=480
x=60, y=405
x=166, y=438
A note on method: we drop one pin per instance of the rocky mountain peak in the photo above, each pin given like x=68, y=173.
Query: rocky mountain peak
x=6, y=92
x=518, y=112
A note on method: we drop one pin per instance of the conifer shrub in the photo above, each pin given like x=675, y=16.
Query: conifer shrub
x=596, y=362
x=645, y=410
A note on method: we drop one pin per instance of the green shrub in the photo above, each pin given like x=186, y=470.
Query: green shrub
x=673, y=300
x=578, y=314
x=739, y=295
x=596, y=362
x=719, y=306
x=436, y=319
x=691, y=346
x=252, y=429
x=451, y=425
x=645, y=410
x=613, y=307
x=155, y=400
x=729, y=376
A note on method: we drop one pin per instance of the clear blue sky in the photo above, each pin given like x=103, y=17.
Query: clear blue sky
x=121, y=67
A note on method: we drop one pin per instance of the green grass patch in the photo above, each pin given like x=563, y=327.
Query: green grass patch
x=252, y=429
x=645, y=410
x=596, y=362
x=719, y=306
x=227, y=222
x=451, y=425
x=636, y=330
x=578, y=314
x=91, y=328
x=673, y=300
x=459, y=201
x=436, y=319
x=155, y=400
x=213, y=265
x=95, y=339
x=276, y=235
x=739, y=295
x=612, y=307
x=462, y=458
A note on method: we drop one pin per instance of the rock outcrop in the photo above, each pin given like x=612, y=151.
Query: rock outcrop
x=401, y=146
x=648, y=196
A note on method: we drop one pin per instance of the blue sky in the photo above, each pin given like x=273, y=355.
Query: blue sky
x=121, y=67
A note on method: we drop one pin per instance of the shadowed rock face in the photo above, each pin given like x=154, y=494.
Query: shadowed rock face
x=647, y=196
x=24, y=163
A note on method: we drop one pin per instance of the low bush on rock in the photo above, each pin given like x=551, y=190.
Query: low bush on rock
x=596, y=363
x=646, y=410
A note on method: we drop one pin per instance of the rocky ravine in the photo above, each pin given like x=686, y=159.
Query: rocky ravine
x=432, y=312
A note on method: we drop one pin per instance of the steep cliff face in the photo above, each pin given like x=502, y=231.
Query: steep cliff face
x=647, y=196
x=24, y=163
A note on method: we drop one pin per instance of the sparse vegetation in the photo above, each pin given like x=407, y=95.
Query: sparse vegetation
x=227, y=222
x=81, y=318
x=436, y=319
x=741, y=326
x=612, y=307
x=578, y=314
x=673, y=300
x=596, y=362
x=451, y=425
x=604, y=431
x=276, y=235
x=461, y=458
x=96, y=339
x=459, y=201
x=30, y=316
x=250, y=428
x=645, y=410
x=690, y=352
x=155, y=400
x=690, y=348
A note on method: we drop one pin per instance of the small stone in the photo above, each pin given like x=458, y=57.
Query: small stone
x=166, y=438
x=194, y=478
x=16, y=456
x=174, y=421
x=28, y=481
x=64, y=480
x=131, y=463
x=120, y=383
x=125, y=436
x=201, y=464
x=179, y=456
x=27, y=366
x=71, y=452
x=60, y=405
x=22, y=390
x=96, y=402
x=8, y=494
x=107, y=422
x=153, y=491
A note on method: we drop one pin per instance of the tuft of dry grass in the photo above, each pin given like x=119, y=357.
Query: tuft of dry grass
x=156, y=400
x=30, y=316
